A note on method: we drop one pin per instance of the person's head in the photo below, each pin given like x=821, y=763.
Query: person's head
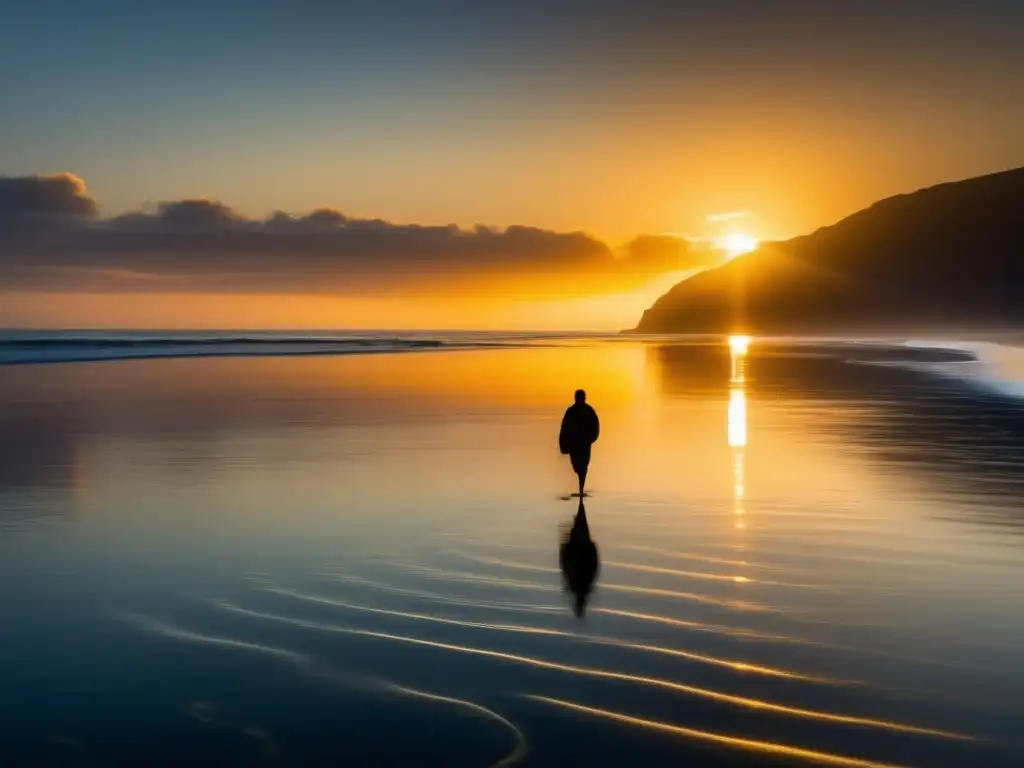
x=581, y=396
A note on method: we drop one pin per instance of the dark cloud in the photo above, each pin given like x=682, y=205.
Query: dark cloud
x=197, y=214
x=203, y=245
x=324, y=217
x=60, y=194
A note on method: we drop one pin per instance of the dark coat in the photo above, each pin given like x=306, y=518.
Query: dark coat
x=580, y=429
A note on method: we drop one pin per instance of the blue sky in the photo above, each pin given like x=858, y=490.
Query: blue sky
x=613, y=117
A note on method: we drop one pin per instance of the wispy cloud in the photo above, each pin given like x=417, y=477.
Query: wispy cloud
x=727, y=216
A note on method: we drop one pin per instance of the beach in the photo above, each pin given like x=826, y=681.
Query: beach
x=314, y=551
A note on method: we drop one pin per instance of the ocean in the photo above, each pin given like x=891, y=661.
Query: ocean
x=265, y=548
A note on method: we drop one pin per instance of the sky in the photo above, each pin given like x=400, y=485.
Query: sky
x=613, y=119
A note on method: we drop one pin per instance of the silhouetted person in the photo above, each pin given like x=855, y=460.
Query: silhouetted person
x=580, y=429
x=577, y=557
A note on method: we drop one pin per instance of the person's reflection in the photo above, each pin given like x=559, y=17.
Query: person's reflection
x=577, y=557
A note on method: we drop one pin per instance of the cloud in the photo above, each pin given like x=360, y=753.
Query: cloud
x=196, y=214
x=667, y=253
x=717, y=218
x=57, y=195
x=201, y=245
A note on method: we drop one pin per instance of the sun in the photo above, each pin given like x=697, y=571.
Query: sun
x=737, y=243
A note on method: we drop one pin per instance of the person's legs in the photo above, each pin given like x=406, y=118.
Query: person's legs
x=580, y=462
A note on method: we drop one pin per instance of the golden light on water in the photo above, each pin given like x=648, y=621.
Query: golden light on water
x=737, y=418
x=739, y=345
x=738, y=441
x=737, y=423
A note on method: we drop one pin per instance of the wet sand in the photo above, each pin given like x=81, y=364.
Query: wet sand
x=807, y=555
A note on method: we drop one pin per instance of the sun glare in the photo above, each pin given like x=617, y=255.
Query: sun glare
x=736, y=243
x=739, y=344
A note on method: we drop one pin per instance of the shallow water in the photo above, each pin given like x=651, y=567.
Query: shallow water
x=812, y=554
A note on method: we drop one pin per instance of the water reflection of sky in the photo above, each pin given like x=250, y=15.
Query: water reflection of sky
x=939, y=430
x=737, y=424
x=248, y=554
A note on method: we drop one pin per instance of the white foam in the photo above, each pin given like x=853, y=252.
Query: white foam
x=997, y=368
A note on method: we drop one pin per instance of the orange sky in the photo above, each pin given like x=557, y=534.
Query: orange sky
x=616, y=120
x=611, y=312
